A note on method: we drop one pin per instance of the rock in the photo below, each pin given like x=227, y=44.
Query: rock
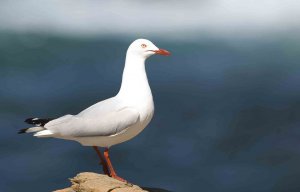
x=65, y=190
x=92, y=182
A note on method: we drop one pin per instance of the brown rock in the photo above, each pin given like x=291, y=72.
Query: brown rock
x=92, y=182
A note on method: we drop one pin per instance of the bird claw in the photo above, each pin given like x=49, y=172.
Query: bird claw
x=104, y=170
x=119, y=178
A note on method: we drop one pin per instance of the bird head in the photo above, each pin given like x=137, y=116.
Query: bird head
x=145, y=48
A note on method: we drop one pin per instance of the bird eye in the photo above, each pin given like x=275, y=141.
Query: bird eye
x=143, y=45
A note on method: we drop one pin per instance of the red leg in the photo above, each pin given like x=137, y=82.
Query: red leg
x=102, y=161
x=113, y=174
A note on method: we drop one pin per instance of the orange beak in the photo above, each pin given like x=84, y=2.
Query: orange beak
x=162, y=52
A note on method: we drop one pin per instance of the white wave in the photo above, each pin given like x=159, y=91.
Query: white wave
x=140, y=18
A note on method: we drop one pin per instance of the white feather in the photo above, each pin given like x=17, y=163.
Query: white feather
x=34, y=129
x=45, y=133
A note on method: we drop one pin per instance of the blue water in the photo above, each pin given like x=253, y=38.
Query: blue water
x=226, y=113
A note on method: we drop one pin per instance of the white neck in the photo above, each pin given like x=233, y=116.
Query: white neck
x=135, y=84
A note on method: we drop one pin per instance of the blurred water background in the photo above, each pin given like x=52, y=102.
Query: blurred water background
x=227, y=100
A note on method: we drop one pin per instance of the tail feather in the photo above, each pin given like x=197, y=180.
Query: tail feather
x=44, y=133
x=39, y=123
x=22, y=131
x=31, y=129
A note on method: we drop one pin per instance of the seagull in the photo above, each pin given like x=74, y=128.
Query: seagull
x=111, y=121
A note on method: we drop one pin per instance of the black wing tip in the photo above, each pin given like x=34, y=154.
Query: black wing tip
x=38, y=121
x=28, y=120
x=22, y=131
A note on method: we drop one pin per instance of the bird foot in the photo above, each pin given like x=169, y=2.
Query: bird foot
x=105, y=169
x=119, y=178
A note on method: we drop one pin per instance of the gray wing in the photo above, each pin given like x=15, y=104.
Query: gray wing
x=108, y=124
x=102, y=108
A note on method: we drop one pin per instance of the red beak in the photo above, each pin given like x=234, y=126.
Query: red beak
x=162, y=52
